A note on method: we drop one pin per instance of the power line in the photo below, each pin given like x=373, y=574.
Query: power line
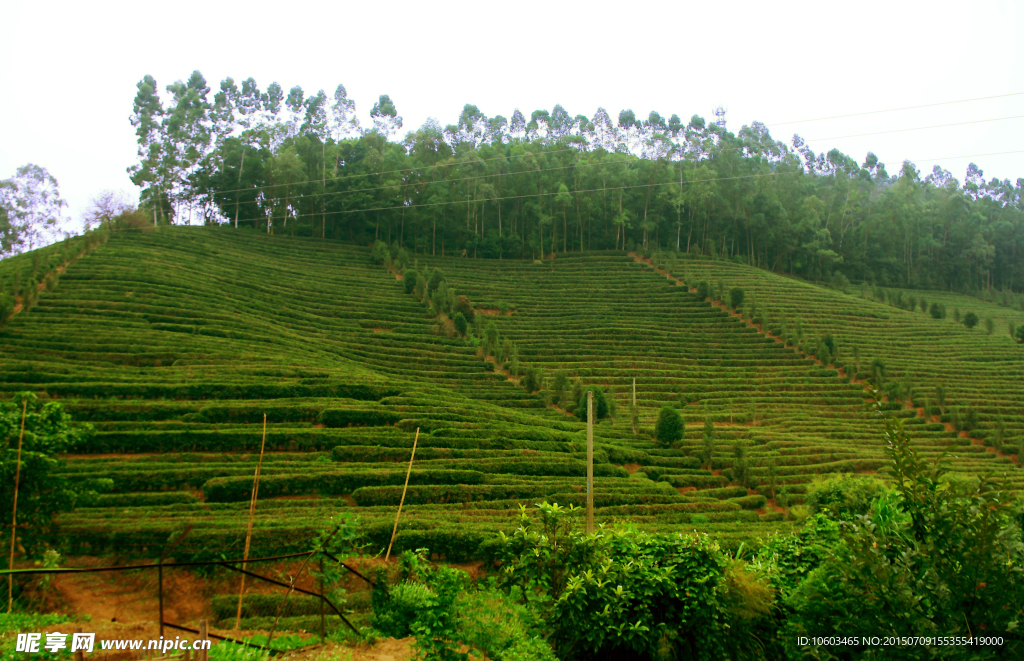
x=876, y=112
x=603, y=189
x=921, y=128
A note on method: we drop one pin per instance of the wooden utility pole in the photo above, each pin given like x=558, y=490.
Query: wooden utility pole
x=402, y=501
x=590, y=461
x=14, y=516
x=203, y=655
x=252, y=514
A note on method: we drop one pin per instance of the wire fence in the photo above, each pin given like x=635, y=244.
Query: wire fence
x=253, y=602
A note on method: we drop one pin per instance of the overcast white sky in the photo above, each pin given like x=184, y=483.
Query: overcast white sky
x=68, y=70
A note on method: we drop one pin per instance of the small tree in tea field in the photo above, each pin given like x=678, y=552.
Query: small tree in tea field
x=491, y=337
x=409, y=280
x=670, y=426
x=735, y=297
x=601, y=408
x=461, y=325
x=533, y=379
x=559, y=386
x=970, y=320
x=465, y=306
x=707, y=453
x=434, y=281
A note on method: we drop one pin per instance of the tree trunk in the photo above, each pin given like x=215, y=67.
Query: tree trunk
x=238, y=193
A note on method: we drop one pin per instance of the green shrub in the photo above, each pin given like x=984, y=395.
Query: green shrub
x=708, y=444
x=559, y=387
x=738, y=472
x=461, y=325
x=335, y=483
x=491, y=336
x=970, y=320
x=735, y=297
x=409, y=279
x=939, y=559
x=396, y=612
x=670, y=426
x=1020, y=335
x=990, y=326
x=533, y=380
x=7, y=308
x=936, y=311
x=704, y=289
x=844, y=497
x=753, y=502
x=463, y=305
x=436, y=278
x=605, y=594
x=878, y=371
x=600, y=404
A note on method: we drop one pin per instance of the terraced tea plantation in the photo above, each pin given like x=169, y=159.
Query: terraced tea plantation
x=174, y=344
x=970, y=379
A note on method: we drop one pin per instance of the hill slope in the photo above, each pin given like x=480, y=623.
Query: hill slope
x=174, y=344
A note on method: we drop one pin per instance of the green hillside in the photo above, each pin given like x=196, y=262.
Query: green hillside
x=175, y=343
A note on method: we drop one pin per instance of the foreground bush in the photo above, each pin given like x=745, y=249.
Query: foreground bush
x=944, y=558
x=629, y=594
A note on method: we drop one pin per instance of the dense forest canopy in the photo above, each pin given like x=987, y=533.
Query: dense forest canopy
x=285, y=162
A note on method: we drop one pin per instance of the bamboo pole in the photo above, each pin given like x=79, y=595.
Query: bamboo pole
x=590, y=461
x=252, y=513
x=14, y=515
x=402, y=501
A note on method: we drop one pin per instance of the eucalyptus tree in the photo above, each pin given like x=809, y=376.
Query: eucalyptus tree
x=344, y=121
x=386, y=120
x=187, y=133
x=149, y=174
x=31, y=209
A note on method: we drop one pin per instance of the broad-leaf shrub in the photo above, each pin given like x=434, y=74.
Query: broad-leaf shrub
x=601, y=405
x=42, y=491
x=843, y=498
x=942, y=559
x=624, y=593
